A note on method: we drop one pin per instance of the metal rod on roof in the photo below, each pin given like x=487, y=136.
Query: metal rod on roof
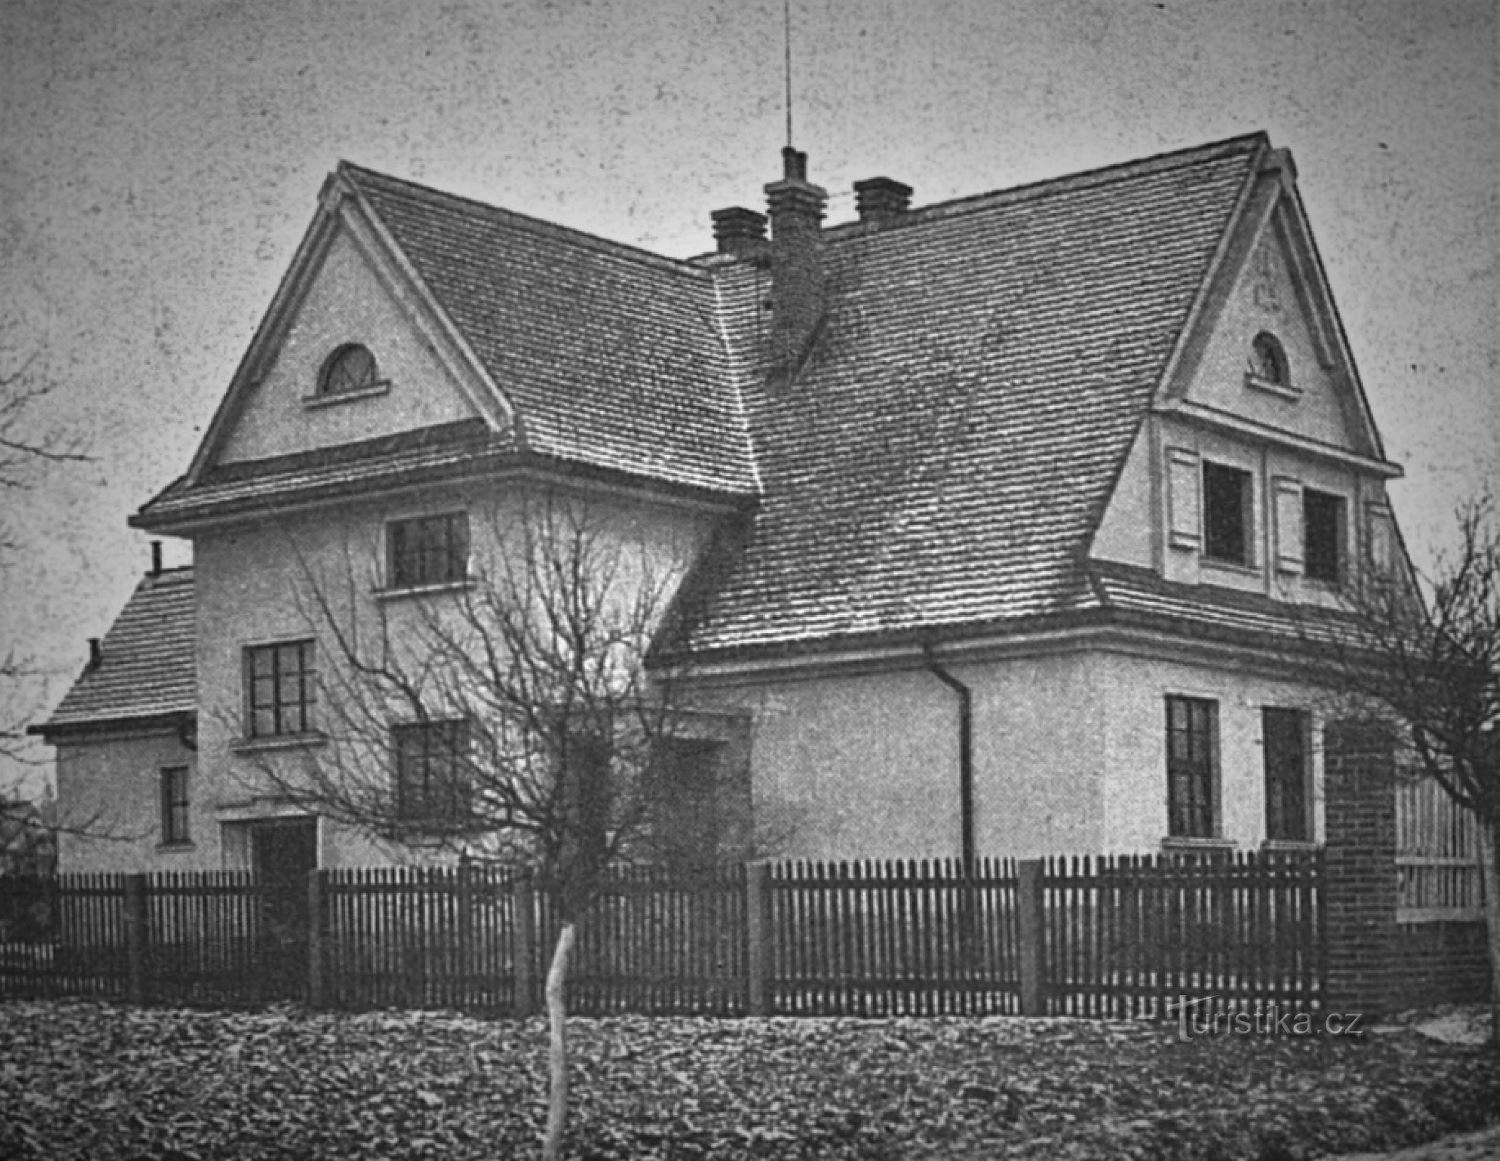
x=786, y=14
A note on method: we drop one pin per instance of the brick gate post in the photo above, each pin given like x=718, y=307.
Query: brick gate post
x=1360, y=884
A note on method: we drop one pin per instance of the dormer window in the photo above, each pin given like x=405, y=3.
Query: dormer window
x=349, y=373
x=1267, y=366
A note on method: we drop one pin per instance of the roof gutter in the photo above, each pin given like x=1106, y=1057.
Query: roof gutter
x=965, y=755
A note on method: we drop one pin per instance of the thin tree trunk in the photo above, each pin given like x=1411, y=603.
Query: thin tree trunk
x=1490, y=874
x=557, y=1092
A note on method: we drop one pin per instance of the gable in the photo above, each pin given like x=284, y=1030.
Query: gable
x=350, y=293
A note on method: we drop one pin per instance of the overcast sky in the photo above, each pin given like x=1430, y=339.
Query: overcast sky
x=159, y=162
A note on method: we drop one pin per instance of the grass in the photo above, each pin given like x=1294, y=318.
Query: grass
x=89, y=1080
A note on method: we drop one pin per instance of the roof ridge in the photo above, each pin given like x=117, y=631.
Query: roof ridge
x=539, y=226
x=1063, y=183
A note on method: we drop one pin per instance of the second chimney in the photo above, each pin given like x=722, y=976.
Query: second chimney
x=739, y=231
x=797, y=283
x=879, y=199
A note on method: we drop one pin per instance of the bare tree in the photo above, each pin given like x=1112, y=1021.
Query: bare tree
x=27, y=449
x=1424, y=653
x=512, y=716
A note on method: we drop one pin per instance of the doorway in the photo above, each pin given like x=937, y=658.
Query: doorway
x=282, y=854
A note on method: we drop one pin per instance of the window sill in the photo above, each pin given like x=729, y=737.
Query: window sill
x=1229, y=567
x=1196, y=843
x=1288, y=845
x=176, y=848
x=278, y=742
x=412, y=591
x=314, y=402
x=1281, y=390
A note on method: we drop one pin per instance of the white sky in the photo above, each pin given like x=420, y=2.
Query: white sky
x=159, y=161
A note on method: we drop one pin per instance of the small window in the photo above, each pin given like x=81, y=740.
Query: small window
x=174, y=806
x=1323, y=536
x=1285, y=733
x=1227, y=514
x=349, y=369
x=282, y=689
x=432, y=784
x=1192, y=762
x=1268, y=360
x=429, y=550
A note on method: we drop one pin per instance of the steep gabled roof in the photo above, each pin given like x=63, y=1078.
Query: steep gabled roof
x=146, y=667
x=983, y=369
x=611, y=356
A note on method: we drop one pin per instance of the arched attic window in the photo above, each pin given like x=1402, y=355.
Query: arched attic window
x=1267, y=364
x=349, y=370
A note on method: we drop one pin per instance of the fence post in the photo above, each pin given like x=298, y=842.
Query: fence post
x=136, y=918
x=316, y=935
x=1029, y=929
x=758, y=936
x=523, y=946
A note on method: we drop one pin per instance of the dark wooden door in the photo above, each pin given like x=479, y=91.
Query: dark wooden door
x=282, y=854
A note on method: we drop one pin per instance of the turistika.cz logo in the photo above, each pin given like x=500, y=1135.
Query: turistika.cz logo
x=1197, y=1019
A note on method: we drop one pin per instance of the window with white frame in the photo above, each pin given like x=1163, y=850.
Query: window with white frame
x=174, y=806
x=432, y=763
x=1323, y=534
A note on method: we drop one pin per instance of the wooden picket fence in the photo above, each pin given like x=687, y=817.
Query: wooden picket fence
x=1437, y=857
x=1099, y=937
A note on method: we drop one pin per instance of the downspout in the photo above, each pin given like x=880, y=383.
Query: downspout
x=965, y=755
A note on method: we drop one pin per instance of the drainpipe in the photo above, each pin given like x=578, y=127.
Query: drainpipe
x=965, y=755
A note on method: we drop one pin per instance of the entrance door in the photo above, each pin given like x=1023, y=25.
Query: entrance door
x=282, y=853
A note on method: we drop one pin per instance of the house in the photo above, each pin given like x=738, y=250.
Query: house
x=991, y=522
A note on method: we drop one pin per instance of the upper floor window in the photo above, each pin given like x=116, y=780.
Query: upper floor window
x=428, y=550
x=282, y=689
x=1228, y=495
x=1192, y=767
x=1323, y=536
x=349, y=370
x=1268, y=360
x=431, y=771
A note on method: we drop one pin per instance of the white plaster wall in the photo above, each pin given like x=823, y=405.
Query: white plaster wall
x=1265, y=298
x=1127, y=533
x=260, y=583
x=109, y=788
x=1135, y=691
x=866, y=766
x=346, y=302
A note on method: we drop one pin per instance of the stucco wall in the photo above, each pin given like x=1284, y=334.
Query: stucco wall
x=348, y=301
x=866, y=766
x=108, y=793
x=268, y=582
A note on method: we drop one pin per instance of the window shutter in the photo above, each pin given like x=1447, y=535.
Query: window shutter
x=1183, y=505
x=1382, y=539
x=1289, y=531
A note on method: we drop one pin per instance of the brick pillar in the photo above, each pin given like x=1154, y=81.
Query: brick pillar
x=1360, y=877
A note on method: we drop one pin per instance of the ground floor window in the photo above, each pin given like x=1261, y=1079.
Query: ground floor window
x=174, y=806
x=1284, y=734
x=1192, y=767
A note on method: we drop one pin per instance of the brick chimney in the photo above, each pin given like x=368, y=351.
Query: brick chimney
x=879, y=199
x=739, y=231
x=797, y=289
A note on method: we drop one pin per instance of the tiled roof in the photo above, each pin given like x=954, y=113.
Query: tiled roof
x=983, y=370
x=146, y=665
x=613, y=357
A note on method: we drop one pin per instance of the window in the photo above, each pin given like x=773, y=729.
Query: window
x=1268, y=360
x=349, y=369
x=1285, y=733
x=431, y=771
x=1227, y=522
x=1323, y=536
x=1192, y=759
x=428, y=550
x=686, y=807
x=174, y=806
x=283, y=688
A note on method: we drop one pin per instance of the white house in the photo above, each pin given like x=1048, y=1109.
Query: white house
x=994, y=519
